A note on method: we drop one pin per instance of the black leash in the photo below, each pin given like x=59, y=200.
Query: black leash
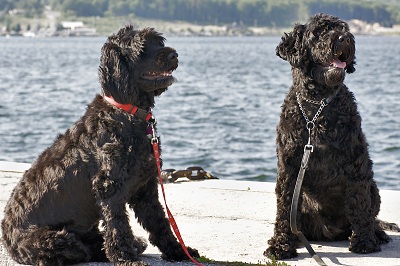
x=308, y=149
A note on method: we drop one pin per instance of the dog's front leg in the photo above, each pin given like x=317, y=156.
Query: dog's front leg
x=120, y=246
x=283, y=244
x=151, y=216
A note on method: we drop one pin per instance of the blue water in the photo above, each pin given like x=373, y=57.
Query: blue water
x=221, y=114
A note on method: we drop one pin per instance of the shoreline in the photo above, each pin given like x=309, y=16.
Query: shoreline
x=89, y=27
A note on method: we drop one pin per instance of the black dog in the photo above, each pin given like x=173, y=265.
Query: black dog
x=103, y=162
x=339, y=198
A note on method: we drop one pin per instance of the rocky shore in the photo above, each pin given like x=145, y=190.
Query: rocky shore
x=97, y=26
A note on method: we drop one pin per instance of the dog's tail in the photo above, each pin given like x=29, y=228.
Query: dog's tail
x=388, y=226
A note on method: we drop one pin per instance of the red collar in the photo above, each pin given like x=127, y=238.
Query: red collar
x=130, y=108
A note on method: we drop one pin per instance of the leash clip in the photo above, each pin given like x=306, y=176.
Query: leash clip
x=310, y=126
x=309, y=147
x=151, y=132
x=154, y=138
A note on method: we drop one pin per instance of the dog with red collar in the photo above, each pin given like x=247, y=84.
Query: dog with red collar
x=101, y=163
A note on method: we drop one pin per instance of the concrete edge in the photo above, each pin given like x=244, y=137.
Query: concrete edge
x=14, y=167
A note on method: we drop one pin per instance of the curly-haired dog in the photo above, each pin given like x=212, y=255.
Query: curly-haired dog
x=339, y=198
x=103, y=162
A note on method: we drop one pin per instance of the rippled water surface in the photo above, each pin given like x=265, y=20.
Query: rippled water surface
x=221, y=114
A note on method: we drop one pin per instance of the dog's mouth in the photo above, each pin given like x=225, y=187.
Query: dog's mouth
x=342, y=56
x=157, y=75
x=338, y=64
x=338, y=61
x=155, y=80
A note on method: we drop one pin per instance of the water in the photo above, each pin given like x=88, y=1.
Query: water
x=221, y=114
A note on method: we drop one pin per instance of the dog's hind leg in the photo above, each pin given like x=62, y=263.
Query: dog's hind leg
x=315, y=226
x=43, y=246
x=151, y=216
x=94, y=240
x=380, y=225
x=361, y=212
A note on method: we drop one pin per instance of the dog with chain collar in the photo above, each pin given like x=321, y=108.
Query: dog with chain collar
x=339, y=198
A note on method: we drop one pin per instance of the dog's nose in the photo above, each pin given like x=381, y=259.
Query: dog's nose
x=345, y=39
x=172, y=55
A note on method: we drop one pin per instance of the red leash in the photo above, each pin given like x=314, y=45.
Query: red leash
x=148, y=116
x=154, y=142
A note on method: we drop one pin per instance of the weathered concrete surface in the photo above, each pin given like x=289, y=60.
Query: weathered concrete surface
x=232, y=221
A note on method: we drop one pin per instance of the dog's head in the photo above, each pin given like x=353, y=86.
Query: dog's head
x=135, y=66
x=323, y=49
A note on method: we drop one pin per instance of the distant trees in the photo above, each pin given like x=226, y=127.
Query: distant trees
x=30, y=8
x=85, y=8
x=278, y=13
x=366, y=11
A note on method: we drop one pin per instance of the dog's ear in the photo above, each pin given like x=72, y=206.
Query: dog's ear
x=130, y=40
x=113, y=71
x=350, y=67
x=291, y=48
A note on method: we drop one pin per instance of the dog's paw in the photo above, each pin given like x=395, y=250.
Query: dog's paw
x=365, y=246
x=193, y=252
x=279, y=253
x=140, y=243
x=382, y=237
x=130, y=263
x=47, y=262
x=179, y=254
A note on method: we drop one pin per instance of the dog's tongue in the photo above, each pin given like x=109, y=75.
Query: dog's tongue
x=339, y=64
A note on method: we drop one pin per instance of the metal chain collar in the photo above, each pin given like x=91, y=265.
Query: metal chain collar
x=312, y=101
x=311, y=124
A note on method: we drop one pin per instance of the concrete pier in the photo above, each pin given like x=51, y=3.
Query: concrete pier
x=232, y=221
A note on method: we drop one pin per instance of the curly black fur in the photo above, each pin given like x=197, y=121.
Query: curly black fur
x=103, y=162
x=339, y=198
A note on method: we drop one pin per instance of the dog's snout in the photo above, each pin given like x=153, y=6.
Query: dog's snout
x=172, y=55
x=344, y=39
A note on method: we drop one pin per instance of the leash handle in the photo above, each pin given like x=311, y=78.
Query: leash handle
x=154, y=143
x=308, y=149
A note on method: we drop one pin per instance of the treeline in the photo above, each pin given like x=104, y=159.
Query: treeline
x=279, y=13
